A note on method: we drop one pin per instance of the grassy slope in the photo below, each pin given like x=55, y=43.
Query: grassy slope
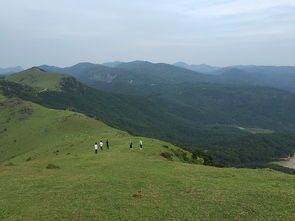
x=100, y=187
x=37, y=78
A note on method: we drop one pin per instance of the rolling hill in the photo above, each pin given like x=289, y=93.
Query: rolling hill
x=38, y=78
x=49, y=171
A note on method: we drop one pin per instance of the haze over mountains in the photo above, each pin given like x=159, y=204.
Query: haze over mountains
x=282, y=77
x=204, y=68
x=10, y=70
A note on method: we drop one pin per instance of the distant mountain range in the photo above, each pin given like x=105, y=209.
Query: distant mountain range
x=136, y=72
x=10, y=70
x=282, y=77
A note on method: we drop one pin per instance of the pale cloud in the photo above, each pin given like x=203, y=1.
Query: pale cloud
x=63, y=32
x=238, y=7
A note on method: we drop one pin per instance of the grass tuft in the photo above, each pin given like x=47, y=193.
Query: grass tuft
x=52, y=166
x=10, y=164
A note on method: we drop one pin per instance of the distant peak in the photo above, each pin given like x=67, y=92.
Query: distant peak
x=180, y=63
x=36, y=69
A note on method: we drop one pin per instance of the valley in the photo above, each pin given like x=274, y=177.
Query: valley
x=288, y=162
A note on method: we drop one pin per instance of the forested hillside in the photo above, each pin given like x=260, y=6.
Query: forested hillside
x=139, y=115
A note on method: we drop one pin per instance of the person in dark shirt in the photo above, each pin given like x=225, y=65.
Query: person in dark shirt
x=107, y=144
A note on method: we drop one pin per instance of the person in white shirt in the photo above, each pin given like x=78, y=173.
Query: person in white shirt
x=95, y=147
x=101, y=145
x=140, y=144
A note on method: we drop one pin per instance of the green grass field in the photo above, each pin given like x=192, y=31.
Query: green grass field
x=119, y=184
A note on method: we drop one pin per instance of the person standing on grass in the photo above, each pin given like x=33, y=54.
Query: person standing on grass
x=101, y=144
x=140, y=144
x=107, y=144
x=130, y=144
x=95, y=147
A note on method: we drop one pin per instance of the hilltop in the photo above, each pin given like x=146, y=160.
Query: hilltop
x=49, y=171
x=38, y=78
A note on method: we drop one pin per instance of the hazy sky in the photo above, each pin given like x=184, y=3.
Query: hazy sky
x=216, y=32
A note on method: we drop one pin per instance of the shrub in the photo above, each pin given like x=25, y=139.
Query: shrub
x=29, y=159
x=182, y=155
x=219, y=164
x=165, y=146
x=52, y=166
x=167, y=155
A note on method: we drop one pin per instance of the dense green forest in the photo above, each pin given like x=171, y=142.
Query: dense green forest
x=245, y=150
x=207, y=103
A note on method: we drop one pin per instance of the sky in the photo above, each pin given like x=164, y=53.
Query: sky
x=215, y=32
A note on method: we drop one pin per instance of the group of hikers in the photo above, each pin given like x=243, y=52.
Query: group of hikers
x=108, y=147
x=101, y=145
